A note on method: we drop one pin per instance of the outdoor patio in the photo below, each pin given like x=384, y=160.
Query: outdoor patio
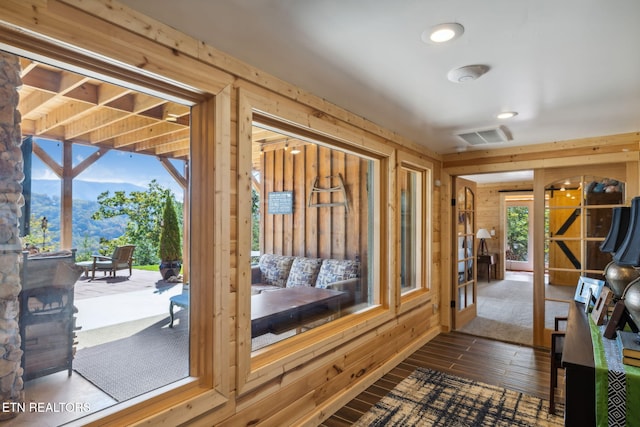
x=121, y=311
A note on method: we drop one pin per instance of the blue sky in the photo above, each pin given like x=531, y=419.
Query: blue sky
x=115, y=166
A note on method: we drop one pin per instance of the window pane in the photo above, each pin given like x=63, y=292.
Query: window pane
x=411, y=230
x=312, y=228
x=578, y=218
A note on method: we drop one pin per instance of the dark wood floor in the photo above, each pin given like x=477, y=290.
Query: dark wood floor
x=511, y=366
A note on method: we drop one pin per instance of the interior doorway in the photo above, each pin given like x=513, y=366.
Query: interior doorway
x=518, y=228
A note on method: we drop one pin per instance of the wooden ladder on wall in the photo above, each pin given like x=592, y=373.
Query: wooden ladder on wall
x=315, y=189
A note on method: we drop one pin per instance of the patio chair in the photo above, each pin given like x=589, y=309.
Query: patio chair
x=121, y=259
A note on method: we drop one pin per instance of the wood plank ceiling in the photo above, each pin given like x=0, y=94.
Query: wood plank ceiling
x=63, y=106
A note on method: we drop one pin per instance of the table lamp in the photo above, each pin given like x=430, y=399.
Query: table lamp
x=483, y=234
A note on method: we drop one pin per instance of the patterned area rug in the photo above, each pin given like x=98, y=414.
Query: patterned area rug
x=431, y=398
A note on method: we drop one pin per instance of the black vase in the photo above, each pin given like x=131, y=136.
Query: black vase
x=169, y=269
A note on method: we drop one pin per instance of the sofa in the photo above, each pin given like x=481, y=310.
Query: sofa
x=282, y=271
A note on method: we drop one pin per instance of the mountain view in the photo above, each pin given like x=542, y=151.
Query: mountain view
x=82, y=190
x=45, y=202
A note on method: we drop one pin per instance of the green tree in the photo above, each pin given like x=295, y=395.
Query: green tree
x=144, y=211
x=517, y=233
x=170, y=246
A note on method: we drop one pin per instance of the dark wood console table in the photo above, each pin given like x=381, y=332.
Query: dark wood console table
x=490, y=260
x=580, y=374
x=277, y=310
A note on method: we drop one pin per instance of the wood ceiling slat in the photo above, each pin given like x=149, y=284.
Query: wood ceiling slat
x=169, y=148
x=58, y=117
x=33, y=101
x=181, y=154
x=110, y=93
x=92, y=122
x=118, y=109
x=157, y=129
x=164, y=139
x=122, y=127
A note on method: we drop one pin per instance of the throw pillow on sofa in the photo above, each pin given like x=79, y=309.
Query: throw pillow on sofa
x=274, y=269
x=304, y=272
x=335, y=270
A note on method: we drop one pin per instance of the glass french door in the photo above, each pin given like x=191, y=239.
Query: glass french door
x=464, y=277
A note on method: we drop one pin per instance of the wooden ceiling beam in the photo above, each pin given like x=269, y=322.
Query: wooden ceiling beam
x=164, y=139
x=91, y=122
x=26, y=65
x=33, y=101
x=116, y=109
x=153, y=131
x=59, y=116
x=181, y=154
x=108, y=93
x=171, y=147
x=63, y=106
x=122, y=127
x=55, y=167
x=177, y=176
x=46, y=80
x=82, y=166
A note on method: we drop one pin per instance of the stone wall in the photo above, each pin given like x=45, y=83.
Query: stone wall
x=11, y=201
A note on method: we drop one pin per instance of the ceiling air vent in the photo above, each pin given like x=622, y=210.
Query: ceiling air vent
x=486, y=136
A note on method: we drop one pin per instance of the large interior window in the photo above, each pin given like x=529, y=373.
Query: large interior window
x=313, y=230
x=95, y=321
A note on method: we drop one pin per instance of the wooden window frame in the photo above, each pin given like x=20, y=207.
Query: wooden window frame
x=255, y=370
x=422, y=293
x=207, y=386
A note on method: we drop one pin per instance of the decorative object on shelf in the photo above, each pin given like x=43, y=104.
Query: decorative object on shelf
x=483, y=234
x=631, y=298
x=616, y=321
x=630, y=345
x=601, y=307
x=586, y=284
x=628, y=254
x=618, y=276
x=621, y=274
x=317, y=190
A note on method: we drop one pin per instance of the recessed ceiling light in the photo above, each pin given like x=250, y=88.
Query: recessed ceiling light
x=442, y=33
x=507, y=114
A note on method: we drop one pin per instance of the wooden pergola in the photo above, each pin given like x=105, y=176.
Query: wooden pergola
x=63, y=106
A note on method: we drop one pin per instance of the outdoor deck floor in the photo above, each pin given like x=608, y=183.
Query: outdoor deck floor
x=108, y=309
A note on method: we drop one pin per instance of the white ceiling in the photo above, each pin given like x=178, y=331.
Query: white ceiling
x=570, y=68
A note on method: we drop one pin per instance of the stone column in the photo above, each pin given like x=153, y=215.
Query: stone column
x=11, y=201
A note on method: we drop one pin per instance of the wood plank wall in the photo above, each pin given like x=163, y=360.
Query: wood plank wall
x=317, y=232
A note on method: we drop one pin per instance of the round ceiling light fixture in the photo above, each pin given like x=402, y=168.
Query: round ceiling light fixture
x=467, y=73
x=507, y=115
x=442, y=33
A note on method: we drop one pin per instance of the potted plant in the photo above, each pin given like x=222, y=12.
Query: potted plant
x=170, y=246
